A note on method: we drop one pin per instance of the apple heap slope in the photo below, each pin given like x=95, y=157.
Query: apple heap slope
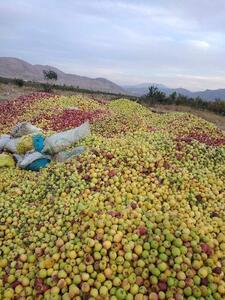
x=140, y=215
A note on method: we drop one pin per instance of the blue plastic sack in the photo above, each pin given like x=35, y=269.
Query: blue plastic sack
x=38, y=164
x=38, y=142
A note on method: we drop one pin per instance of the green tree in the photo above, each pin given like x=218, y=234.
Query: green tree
x=50, y=75
x=181, y=100
x=172, y=98
x=19, y=82
x=154, y=95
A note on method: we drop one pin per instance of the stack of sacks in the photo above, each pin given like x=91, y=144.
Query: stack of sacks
x=25, y=143
x=32, y=151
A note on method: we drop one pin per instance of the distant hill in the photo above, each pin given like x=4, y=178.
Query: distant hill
x=17, y=68
x=141, y=89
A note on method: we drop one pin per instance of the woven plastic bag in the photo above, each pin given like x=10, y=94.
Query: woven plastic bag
x=38, y=142
x=24, y=144
x=24, y=128
x=11, y=146
x=66, y=155
x=60, y=141
x=6, y=160
x=4, y=139
x=18, y=158
x=31, y=157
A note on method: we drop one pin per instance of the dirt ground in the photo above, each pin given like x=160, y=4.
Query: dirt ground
x=10, y=91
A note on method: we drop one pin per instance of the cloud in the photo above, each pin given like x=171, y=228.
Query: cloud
x=200, y=44
x=128, y=41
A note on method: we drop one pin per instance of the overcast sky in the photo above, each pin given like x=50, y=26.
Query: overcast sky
x=173, y=42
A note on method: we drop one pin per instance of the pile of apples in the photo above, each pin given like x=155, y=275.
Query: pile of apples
x=139, y=215
x=13, y=110
x=68, y=118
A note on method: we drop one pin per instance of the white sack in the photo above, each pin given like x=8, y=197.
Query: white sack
x=31, y=156
x=24, y=128
x=4, y=139
x=11, y=145
x=65, y=155
x=18, y=157
x=60, y=141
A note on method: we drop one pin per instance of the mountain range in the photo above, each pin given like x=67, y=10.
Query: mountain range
x=141, y=89
x=11, y=67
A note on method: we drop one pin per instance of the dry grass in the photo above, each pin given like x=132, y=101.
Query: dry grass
x=12, y=91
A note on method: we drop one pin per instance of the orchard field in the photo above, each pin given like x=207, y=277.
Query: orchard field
x=140, y=215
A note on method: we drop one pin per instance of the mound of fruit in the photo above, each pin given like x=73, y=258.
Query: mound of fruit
x=140, y=215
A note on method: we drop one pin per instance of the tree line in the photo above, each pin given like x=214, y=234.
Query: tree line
x=155, y=96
